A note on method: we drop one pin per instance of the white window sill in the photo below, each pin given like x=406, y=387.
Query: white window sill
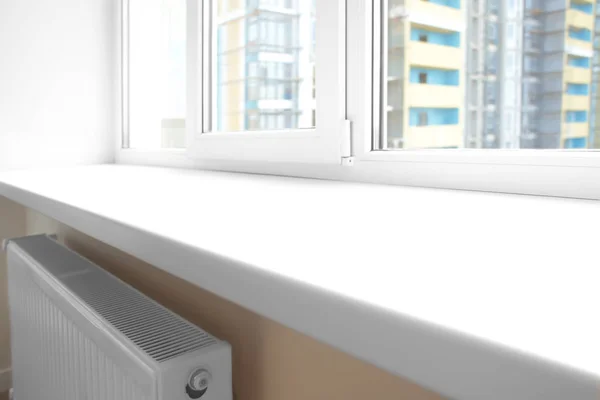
x=473, y=295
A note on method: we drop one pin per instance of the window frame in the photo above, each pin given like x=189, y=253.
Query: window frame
x=123, y=152
x=521, y=171
x=563, y=173
x=322, y=144
x=123, y=141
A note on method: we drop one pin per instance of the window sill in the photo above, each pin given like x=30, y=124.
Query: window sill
x=472, y=295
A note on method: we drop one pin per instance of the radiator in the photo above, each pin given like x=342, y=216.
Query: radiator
x=79, y=333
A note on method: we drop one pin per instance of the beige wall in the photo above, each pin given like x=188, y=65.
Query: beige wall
x=12, y=224
x=270, y=361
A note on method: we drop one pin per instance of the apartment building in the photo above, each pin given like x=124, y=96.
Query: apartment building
x=499, y=86
x=595, y=105
x=470, y=73
x=566, y=92
x=483, y=68
x=426, y=69
x=530, y=76
x=265, y=65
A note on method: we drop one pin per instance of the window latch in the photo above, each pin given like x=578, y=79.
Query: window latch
x=347, y=159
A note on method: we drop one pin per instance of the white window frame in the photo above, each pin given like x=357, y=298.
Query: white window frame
x=564, y=173
x=322, y=144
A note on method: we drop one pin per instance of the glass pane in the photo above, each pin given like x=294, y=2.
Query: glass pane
x=157, y=70
x=491, y=74
x=265, y=65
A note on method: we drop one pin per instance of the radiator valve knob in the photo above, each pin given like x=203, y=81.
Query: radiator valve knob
x=198, y=383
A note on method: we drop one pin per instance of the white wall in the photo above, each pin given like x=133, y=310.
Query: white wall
x=59, y=87
x=59, y=99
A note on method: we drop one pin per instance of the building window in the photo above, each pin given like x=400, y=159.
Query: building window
x=576, y=117
x=423, y=119
x=576, y=143
x=422, y=77
x=578, y=62
x=580, y=33
x=423, y=38
x=154, y=77
x=587, y=8
x=279, y=50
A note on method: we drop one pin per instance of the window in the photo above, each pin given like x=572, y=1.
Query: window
x=510, y=66
x=492, y=31
x=154, y=83
x=575, y=116
x=587, y=8
x=580, y=33
x=397, y=90
x=578, y=61
x=283, y=53
x=576, y=143
x=577, y=89
x=265, y=65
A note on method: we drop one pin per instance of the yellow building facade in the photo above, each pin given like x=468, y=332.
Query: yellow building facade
x=425, y=74
x=576, y=107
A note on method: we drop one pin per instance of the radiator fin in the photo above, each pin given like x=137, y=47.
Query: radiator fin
x=157, y=331
x=154, y=329
x=51, y=355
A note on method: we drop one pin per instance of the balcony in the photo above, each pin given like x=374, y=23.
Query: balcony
x=532, y=16
x=425, y=137
x=533, y=46
x=580, y=19
x=577, y=46
x=534, y=8
x=575, y=129
x=434, y=55
x=438, y=16
x=571, y=102
x=434, y=96
x=577, y=75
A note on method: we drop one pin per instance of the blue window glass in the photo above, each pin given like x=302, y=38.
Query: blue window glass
x=587, y=8
x=432, y=76
x=451, y=39
x=433, y=116
x=579, y=62
x=576, y=143
x=576, y=116
x=580, y=34
x=577, y=89
x=447, y=3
